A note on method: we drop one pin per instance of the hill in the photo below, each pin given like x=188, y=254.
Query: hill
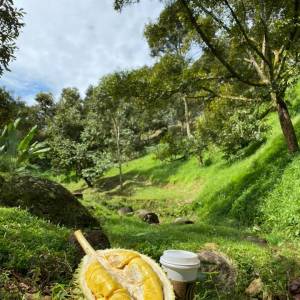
x=234, y=206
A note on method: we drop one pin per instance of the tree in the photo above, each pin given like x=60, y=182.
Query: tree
x=64, y=131
x=45, y=107
x=255, y=42
x=110, y=105
x=10, y=26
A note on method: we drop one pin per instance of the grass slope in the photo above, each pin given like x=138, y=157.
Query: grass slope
x=255, y=193
x=34, y=254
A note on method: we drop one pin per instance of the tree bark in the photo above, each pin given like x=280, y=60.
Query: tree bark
x=286, y=124
x=187, y=118
x=117, y=134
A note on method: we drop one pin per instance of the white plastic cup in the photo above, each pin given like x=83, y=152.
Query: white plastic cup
x=180, y=265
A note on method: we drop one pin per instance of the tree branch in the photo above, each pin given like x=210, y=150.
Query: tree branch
x=215, y=18
x=213, y=49
x=244, y=33
x=296, y=23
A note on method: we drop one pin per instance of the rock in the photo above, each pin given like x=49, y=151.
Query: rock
x=294, y=287
x=124, y=211
x=46, y=199
x=182, y=221
x=254, y=288
x=142, y=212
x=151, y=218
x=212, y=261
x=256, y=240
x=147, y=216
x=78, y=195
x=95, y=237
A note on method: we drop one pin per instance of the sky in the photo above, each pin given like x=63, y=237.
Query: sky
x=72, y=43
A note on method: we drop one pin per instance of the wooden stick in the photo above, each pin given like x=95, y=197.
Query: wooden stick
x=85, y=245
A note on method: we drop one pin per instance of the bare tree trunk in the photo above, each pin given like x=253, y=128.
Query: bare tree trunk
x=119, y=157
x=187, y=117
x=286, y=124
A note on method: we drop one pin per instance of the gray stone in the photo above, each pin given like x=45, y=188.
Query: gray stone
x=147, y=216
x=142, y=212
x=151, y=218
x=212, y=261
x=124, y=211
x=182, y=221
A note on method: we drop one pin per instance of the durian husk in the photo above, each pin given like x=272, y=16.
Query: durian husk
x=101, y=256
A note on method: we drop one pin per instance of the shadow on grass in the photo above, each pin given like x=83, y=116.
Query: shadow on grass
x=242, y=197
x=158, y=175
x=154, y=239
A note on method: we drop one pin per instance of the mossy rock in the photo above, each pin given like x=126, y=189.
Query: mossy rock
x=45, y=199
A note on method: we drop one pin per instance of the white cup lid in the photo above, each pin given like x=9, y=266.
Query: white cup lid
x=180, y=258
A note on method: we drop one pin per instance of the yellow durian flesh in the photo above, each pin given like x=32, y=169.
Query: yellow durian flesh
x=102, y=284
x=126, y=275
x=151, y=285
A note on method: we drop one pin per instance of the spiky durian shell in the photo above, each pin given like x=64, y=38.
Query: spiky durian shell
x=82, y=292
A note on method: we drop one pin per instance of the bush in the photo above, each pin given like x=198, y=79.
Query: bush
x=174, y=145
x=230, y=126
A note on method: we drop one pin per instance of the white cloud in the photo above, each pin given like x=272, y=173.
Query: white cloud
x=75, y=42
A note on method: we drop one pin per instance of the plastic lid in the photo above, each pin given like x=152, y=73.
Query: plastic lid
x=180, y=258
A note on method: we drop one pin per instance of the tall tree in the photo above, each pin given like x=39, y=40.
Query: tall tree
x=110, y=105
x=256, y=42
x=10, y=26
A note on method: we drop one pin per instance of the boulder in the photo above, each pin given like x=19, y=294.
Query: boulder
x=45, y=199
x=151, y=218
x=124, y=211
x=294, y=287
x=212, y=261
x=147, y=216
x=182, y=221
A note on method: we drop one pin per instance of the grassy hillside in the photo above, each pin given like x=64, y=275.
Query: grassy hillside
x=256, y=196
x=258, y=193
x=34, y=255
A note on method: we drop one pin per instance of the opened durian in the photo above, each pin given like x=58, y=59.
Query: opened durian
x=119, y=274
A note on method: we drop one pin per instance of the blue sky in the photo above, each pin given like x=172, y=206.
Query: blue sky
x=68, y=43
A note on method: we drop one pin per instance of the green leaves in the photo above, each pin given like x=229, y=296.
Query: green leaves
x=16, y=152
x=10, y=26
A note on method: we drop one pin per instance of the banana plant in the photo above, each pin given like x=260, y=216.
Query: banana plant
x=16, y=152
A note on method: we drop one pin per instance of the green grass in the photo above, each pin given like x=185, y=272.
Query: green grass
x=250, y=259
x=33, y=253
x=228, y=201
x=259, y=193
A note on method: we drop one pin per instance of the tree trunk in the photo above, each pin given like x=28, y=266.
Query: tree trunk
x=117, y=133
x=286, y=124
x=88, y=181
x=187, y=118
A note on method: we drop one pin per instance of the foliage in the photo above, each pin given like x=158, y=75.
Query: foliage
x=15, y=151
x=229, y=127
x=174, y=145
x=255, y=50
x=10, y=26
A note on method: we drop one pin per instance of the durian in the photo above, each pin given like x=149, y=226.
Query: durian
x=119, y=274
